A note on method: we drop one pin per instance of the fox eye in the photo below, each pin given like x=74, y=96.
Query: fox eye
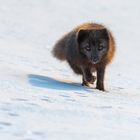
x=101, y=46
x=87, y=47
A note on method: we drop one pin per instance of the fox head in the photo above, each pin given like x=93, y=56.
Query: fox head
x=93, y=44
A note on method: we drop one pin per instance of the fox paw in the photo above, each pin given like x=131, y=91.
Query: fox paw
x=85, y=84
x=91, y=79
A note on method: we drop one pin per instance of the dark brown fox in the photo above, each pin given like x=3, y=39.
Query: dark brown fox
x=88, y=48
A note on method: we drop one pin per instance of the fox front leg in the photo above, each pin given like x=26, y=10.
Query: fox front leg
x=88, y=78
x=100, y=78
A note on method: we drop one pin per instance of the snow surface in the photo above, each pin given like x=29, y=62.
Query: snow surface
x=41, y=98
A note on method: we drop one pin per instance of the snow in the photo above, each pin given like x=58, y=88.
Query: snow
x=41, y=98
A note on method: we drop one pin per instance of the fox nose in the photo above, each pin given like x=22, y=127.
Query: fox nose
x=95, y=59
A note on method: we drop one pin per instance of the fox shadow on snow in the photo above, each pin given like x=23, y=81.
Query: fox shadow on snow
x=51, y=83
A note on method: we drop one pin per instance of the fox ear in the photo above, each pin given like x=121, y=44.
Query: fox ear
x=82, y=34
x=104, y=33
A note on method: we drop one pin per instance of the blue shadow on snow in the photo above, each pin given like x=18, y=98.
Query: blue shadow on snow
x=51, y=83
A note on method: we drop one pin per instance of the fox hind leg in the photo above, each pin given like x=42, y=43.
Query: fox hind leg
x=84, y=83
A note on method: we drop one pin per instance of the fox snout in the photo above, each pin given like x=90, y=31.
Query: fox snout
x=94, y=58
